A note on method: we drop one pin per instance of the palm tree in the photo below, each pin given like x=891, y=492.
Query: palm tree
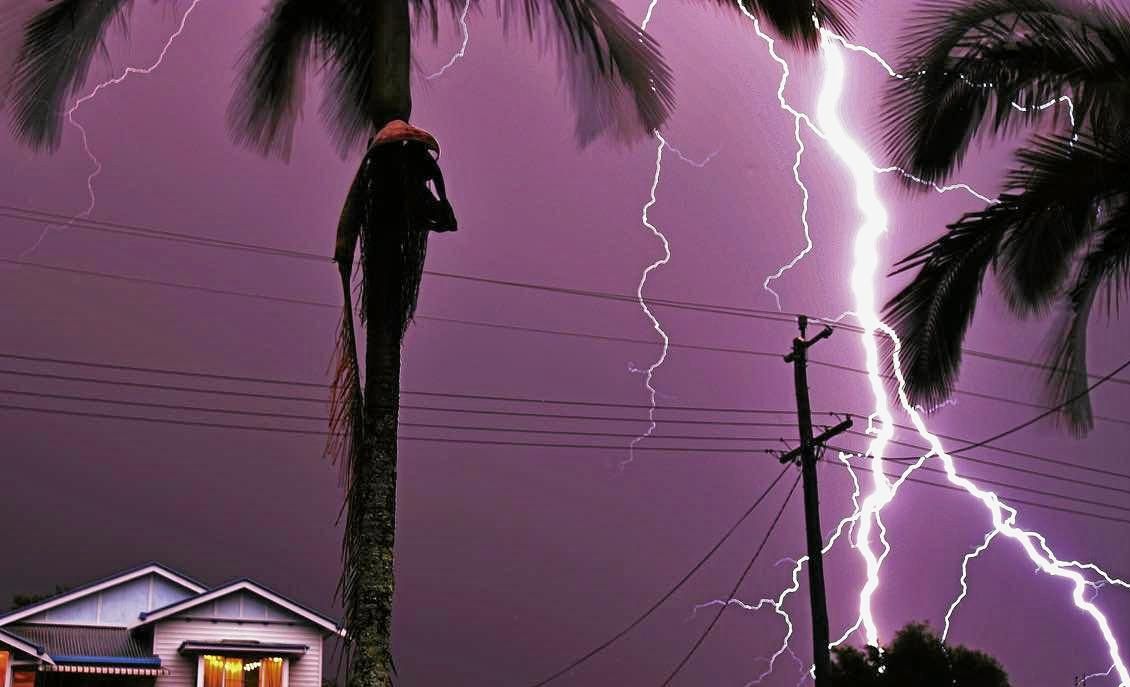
x=1060, y=233
x=618, y=84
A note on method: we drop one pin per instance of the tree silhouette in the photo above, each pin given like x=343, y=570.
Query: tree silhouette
x=916, y=657
x=1060, y=235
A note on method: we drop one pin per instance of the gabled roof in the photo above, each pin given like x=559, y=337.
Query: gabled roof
x=86, y=644
x=100, y=585
x=313, y=617
x=22, y=644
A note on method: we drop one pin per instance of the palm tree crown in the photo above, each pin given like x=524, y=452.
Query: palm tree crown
x=1059, y=233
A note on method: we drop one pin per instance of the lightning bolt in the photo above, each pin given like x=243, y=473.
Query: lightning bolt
x=868, y=514
x=70, y=116
x=778, y=603
x=964, y=578
x=462, y=51
x=1106, y=674
x=800, y=117
x=863, y=278
x=649, y=372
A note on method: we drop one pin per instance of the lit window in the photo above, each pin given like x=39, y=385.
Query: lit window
x=23, y=678
x=226, y=671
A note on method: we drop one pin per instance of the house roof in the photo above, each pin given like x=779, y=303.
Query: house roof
x=99, y=585
x=86, y=644
x=313, y=617
x=22, y=644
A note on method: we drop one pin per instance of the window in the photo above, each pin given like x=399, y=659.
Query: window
x=22, y=677
x=227, y=671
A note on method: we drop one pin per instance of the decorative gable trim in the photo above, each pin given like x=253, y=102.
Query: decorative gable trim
x=248, y=586
x=102, y=585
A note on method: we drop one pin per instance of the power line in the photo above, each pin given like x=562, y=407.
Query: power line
x=514, y=327
x=142, y=231
x=1027, y=471
x=137, y=230
x=1033, y=490
x=1020, y=454
x=439, y=394
x=507, y=413
x=1028, y=423
x=671, y=592
x=484, y=442
x=526, y=400
x=323, y=433
x=734, y=591
x=965, y=392
x=438, y=409
x=574, y=433
x=951, y=487
x=414, y=425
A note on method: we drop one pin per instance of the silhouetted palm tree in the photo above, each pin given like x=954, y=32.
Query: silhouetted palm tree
x=617, y=83
x=1061, y=231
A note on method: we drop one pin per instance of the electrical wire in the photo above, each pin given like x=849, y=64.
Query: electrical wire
x=950, y=487
x=138, y=230
x=671, y=592
x=733, y=592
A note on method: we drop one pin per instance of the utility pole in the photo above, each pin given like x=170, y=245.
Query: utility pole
x=807, y=455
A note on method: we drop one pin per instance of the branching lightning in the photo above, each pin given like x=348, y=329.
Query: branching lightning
x=1094, y=675
x=867, y=515
x=462, y=51
x=964, y=579
x=799, y=117
x=863, y=278
x=70, y=116
x=649, y=372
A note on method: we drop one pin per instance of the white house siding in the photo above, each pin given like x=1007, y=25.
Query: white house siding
x=168, y=635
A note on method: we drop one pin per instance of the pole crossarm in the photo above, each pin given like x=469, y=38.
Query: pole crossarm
x=822, y=438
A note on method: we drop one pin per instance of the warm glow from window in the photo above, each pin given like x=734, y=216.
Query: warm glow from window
x=23, y=678
x=226, y=671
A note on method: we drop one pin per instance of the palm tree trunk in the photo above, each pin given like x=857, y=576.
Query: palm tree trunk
x=374, y=472
x=392, y=59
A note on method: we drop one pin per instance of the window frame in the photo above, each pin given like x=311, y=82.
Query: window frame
x=200, y=669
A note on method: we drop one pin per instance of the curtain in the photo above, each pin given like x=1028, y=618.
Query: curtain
x=233, y=672
x=271, y=673
x=213, y=671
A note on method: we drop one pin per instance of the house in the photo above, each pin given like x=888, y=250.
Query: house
x=153, y=627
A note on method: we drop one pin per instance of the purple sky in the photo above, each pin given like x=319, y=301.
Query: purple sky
x=512, y=561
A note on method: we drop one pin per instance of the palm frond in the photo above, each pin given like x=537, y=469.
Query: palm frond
x=1107, y=263
x=932, y=313
x=616, y=78
x=14, y=18
x=347, y=443
x=997, y=62
x=793, y=19
x=346, y=427
x=1060, y=182
x=58, y=47
x=268, y=97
